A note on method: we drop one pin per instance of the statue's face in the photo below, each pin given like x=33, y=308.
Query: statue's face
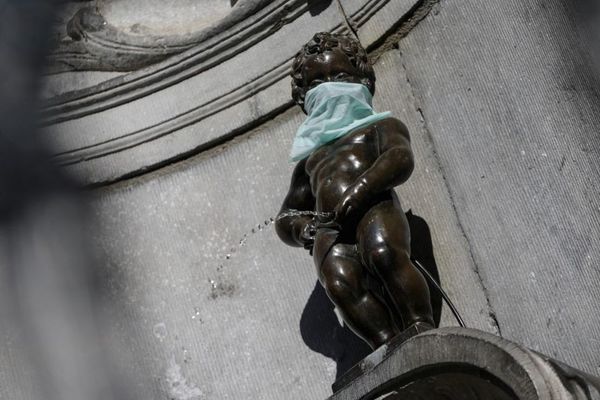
x=330, y=66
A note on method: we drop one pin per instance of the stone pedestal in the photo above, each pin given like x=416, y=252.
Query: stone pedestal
x=465, y=364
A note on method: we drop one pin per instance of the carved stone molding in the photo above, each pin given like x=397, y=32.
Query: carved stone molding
x=206, y=53
x=466, y=364
x=217, y=89
x=95, y=44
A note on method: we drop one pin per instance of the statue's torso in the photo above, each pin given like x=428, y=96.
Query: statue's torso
x=335, y=166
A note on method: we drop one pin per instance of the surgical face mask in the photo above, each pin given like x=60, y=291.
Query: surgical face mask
x=334, y=109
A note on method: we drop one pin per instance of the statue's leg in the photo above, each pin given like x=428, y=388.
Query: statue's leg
x=383, y=237
x=343, y=277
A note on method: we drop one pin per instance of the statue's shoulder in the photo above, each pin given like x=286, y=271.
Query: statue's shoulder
x=393, y=126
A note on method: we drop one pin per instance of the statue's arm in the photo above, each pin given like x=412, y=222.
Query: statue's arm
x=395, y=162
x=290, y=229
x=392, y=167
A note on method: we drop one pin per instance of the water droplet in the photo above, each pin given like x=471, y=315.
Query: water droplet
x=196, y=314
x=186, y=355
x=260, y=227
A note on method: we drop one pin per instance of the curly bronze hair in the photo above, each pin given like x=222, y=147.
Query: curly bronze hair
x=325, y=41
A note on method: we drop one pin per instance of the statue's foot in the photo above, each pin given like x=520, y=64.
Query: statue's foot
x=420, y=327
x=381, y=353
x=412, y=330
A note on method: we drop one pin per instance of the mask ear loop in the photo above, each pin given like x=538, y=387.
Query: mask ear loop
x=368, y=83
x=352, y=29
x=347, y=21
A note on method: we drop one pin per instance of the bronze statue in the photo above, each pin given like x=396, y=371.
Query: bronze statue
x=341, y=204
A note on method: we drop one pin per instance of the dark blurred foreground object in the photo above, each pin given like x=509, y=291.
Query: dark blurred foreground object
x=47, y=269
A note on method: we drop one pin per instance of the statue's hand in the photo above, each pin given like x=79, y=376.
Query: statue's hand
x=307, y=235
x=353, y=203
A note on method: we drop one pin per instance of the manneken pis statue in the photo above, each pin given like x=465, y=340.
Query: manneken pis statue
x=349, y=161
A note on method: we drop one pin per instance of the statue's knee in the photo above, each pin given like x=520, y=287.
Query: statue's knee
x=345, y=284
x=403, y=257
x=379, y=255
x=338, y=289
x=385, y=257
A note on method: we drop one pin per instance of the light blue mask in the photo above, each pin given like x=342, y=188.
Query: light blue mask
x=334, y=109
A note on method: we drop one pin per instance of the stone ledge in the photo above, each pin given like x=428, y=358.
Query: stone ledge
x=461, y=363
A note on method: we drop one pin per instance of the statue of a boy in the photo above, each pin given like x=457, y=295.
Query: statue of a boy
x=349, y=161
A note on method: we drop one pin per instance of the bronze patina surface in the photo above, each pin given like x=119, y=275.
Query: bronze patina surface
x=353, y=179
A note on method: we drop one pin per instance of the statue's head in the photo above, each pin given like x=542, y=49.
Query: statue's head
x=330, y=58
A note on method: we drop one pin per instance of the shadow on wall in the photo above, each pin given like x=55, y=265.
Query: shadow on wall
x=319, y=325
x=315, y=7
x=587, y=13
x=322, y=333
